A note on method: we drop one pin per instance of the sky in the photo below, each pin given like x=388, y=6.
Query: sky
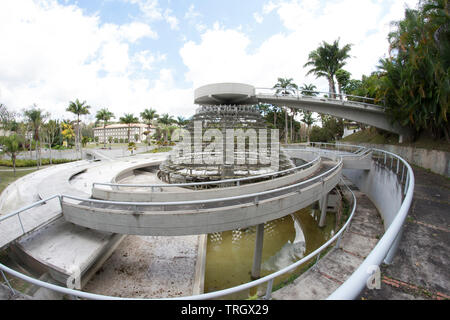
x=128, y=55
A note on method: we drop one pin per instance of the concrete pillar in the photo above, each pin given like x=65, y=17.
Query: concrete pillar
x=257, y=256
x=323, y=210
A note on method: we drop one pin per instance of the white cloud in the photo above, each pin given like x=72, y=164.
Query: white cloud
x=258, y=18
x=52, y=54
x=223, y=54
x=137, y=30
x=151, y=10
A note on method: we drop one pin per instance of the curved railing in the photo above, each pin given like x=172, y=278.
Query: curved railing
x=320, y=95
x=384, y=250
x=217, y=182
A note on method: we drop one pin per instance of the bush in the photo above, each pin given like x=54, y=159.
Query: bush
x=23, y=163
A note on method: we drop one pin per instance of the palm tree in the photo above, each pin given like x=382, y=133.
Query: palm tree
x=11, y=145
x=51, y=130
x=309, y=120
x=36, y=118
x=78, y=108
x=326, y=60
x=285, y=87
x=181, y=121
x=308, y=90
x=104, y=115
x=148, y=115
x=166, y=121
x=128, y=119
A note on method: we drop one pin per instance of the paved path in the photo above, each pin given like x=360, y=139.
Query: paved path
x=338, y=264
x=420, y=269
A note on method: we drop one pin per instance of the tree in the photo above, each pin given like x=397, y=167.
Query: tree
x=165, y=120
x=128, y=119
x=132, y=147
x=104, y=115
x=36, y=118
x=308, y=90
x=309, y=120
x=343, y=78
x=285, y=87
x=326, y=60
x=78, y=108
x=51, y=130
x=181, y=121
x=11, y=145
x=148, y=116
x=414, y=80
x=67, y=131
x=7, y=119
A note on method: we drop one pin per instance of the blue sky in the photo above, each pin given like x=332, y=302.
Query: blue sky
x=128, y=55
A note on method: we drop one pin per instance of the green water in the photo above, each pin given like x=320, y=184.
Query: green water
x=229, y=255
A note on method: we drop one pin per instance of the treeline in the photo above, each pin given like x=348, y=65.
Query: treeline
x=412, y=83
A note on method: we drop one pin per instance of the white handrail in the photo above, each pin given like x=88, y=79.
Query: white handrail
x=349, y=290
x=292, y=92
x=232, y=198
x=206, y=182
x=353, y=286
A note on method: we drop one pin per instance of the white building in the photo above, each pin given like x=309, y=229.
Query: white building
x=120, y=131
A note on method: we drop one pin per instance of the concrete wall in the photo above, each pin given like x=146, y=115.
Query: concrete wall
x=381, y=186
x=434, y=160
x=193, y=220
x=102, y=192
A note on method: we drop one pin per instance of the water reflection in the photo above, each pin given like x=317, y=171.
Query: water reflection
x=286, y=240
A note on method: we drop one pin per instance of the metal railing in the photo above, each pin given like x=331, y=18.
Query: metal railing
x=384, y=250
x=254, y=197
x=220, y=182
x=212, y=295
x=319, y=95
x=386, y=247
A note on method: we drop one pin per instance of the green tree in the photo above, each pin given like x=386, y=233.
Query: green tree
x=11, y=145
x=129, y=119
x=78, y=108
x=36, y=117
x=148, y=116
x=326, y=60
x=104, y=115
x=285, y=86
x=52, y=131
x=343, y=78
x=165, y=121
x=308, y=90
x=309, y=120
x=414, y=79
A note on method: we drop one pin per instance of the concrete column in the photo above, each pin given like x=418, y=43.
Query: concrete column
x=257, y=256
x=323, y=210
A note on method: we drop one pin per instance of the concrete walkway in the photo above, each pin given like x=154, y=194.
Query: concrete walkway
x=420, y=269
x=337, y=265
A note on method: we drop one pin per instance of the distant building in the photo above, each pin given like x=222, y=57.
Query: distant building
x=120, y=131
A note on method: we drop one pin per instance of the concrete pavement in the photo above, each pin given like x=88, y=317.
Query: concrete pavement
x=420, y=268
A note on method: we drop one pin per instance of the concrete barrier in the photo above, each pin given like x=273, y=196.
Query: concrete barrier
x=436, y=161
x=99, y=191
x=225, y=214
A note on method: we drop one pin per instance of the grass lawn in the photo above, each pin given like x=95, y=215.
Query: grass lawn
x=7, y=177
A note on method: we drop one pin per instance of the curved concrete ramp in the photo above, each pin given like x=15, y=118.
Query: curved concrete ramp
x=198, y=217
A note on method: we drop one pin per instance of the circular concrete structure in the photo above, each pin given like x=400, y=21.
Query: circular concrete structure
x=225, y=93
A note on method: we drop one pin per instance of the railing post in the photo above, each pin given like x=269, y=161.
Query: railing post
x=268, y=295
x=20, y=221
x=7, y=283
